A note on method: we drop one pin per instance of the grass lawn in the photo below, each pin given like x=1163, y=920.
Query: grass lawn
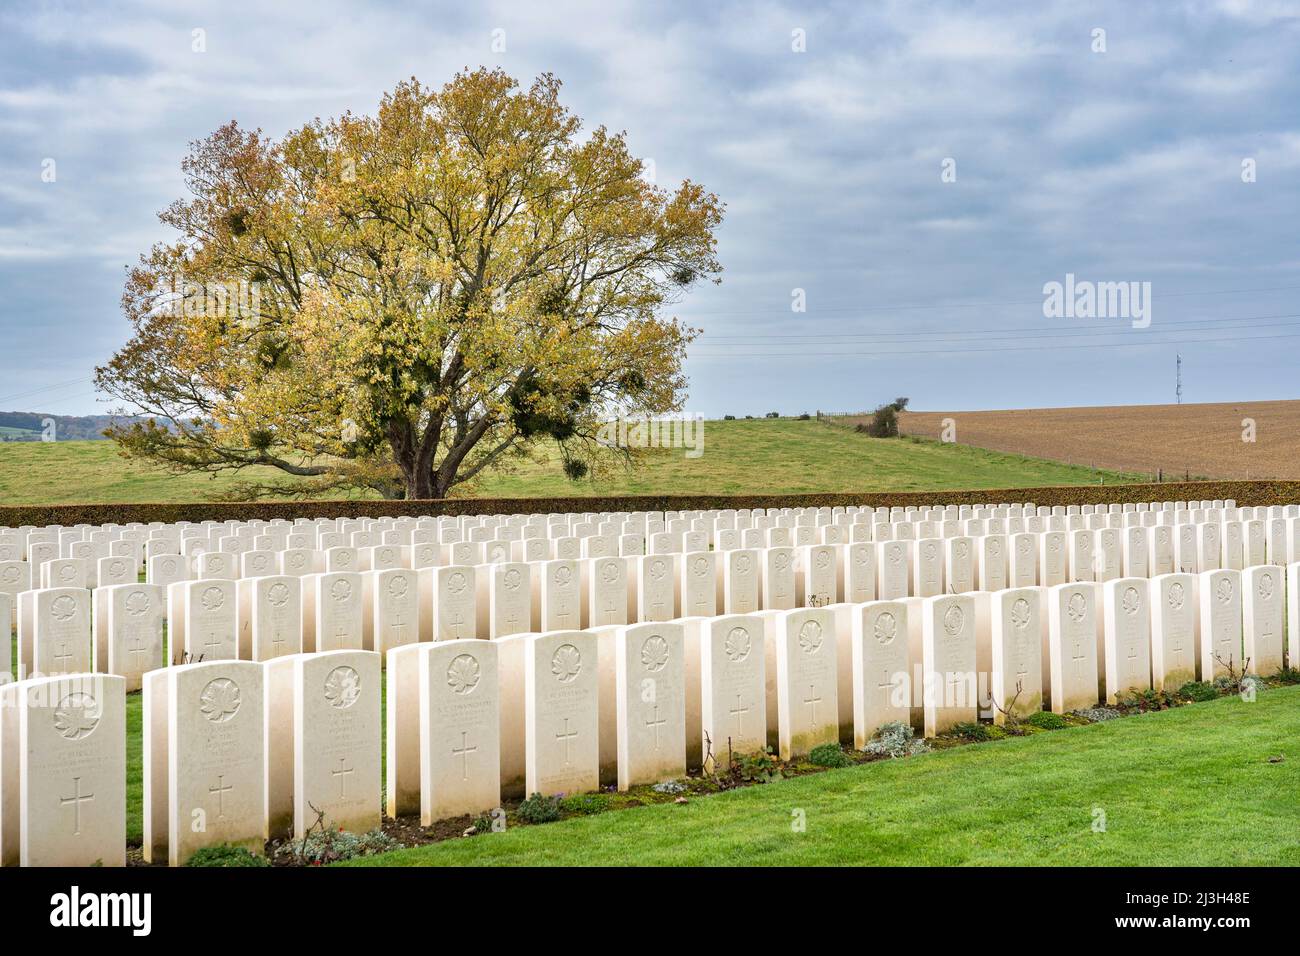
x=740, y=457
x=1191, y=786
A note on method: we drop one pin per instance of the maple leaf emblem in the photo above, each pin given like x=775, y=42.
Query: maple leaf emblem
x=563, y=575
x=810, y=636
x=77, y=716
x=1020, y=613
x=212, y=598
x=654, y=654
x=398, y=585
x=885, y=628
x=278, y=594
x=1223, y=590
x=609, y=573
x=137, y=603
x=823, y=559
x=1266, y=586
x=63, y=607
x=342, y=687
x=742, y=564
x=566, y=663
x=736, y=644
x=463, y=673
x=657, y=569
x=220, y=700
x=340, y=590
x=512, y=580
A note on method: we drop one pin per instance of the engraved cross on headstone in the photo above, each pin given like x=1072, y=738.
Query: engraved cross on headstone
x=566, y=736
x=76, y=800
x=220, y=790
x=739, y=713
x=812, y=701
x=342, y=774
x=656, y=722
x=463, y=752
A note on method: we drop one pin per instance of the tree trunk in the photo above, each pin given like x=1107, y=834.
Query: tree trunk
x=419, y=483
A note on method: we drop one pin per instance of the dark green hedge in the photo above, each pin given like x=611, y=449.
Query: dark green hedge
x=1244, y=492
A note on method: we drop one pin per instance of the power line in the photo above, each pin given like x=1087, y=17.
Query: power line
x=1034, y=331
x=977, y=304
x=1024, y=348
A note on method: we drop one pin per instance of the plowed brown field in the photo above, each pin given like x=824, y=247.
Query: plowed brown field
x=1196, y=440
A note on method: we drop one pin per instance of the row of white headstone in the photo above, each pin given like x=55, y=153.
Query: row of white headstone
x=238, y=752
x=263, y=617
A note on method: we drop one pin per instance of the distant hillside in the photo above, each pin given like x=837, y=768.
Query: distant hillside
x=31, y=426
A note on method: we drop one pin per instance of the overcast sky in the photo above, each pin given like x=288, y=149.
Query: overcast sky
x=1115, y=166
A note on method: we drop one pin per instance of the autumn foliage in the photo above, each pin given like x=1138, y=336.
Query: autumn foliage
x=400, y=302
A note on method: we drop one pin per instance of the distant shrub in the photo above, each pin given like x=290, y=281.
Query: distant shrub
x=226, y=855
x=1046, y=720
x=828, y=755
x=539, y=809
x=895, y=739
x=772, y=415
x=884, y=420
x=805, y=417
x=728, y=418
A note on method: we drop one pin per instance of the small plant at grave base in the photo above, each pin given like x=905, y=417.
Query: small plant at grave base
x=585, y=804
x=758, y=766
x=829, y=755
x=1098, y=715
x=226, y=855
x=482, y=824
x=669, y=786
x=1147, y=700
x=323, y=844
x=896, y=739
x=1046, y=720
x=1231, y=682
x=1288, y=675
x=976, y=732
x=1198, y=690
x=540, y=809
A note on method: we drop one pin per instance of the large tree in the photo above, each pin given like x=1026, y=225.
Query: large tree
x=426, y=293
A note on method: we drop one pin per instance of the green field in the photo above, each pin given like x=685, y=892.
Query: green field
x=739, y=457
x=1187, y=787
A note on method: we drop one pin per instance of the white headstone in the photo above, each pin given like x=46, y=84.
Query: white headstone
x=650, y=703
